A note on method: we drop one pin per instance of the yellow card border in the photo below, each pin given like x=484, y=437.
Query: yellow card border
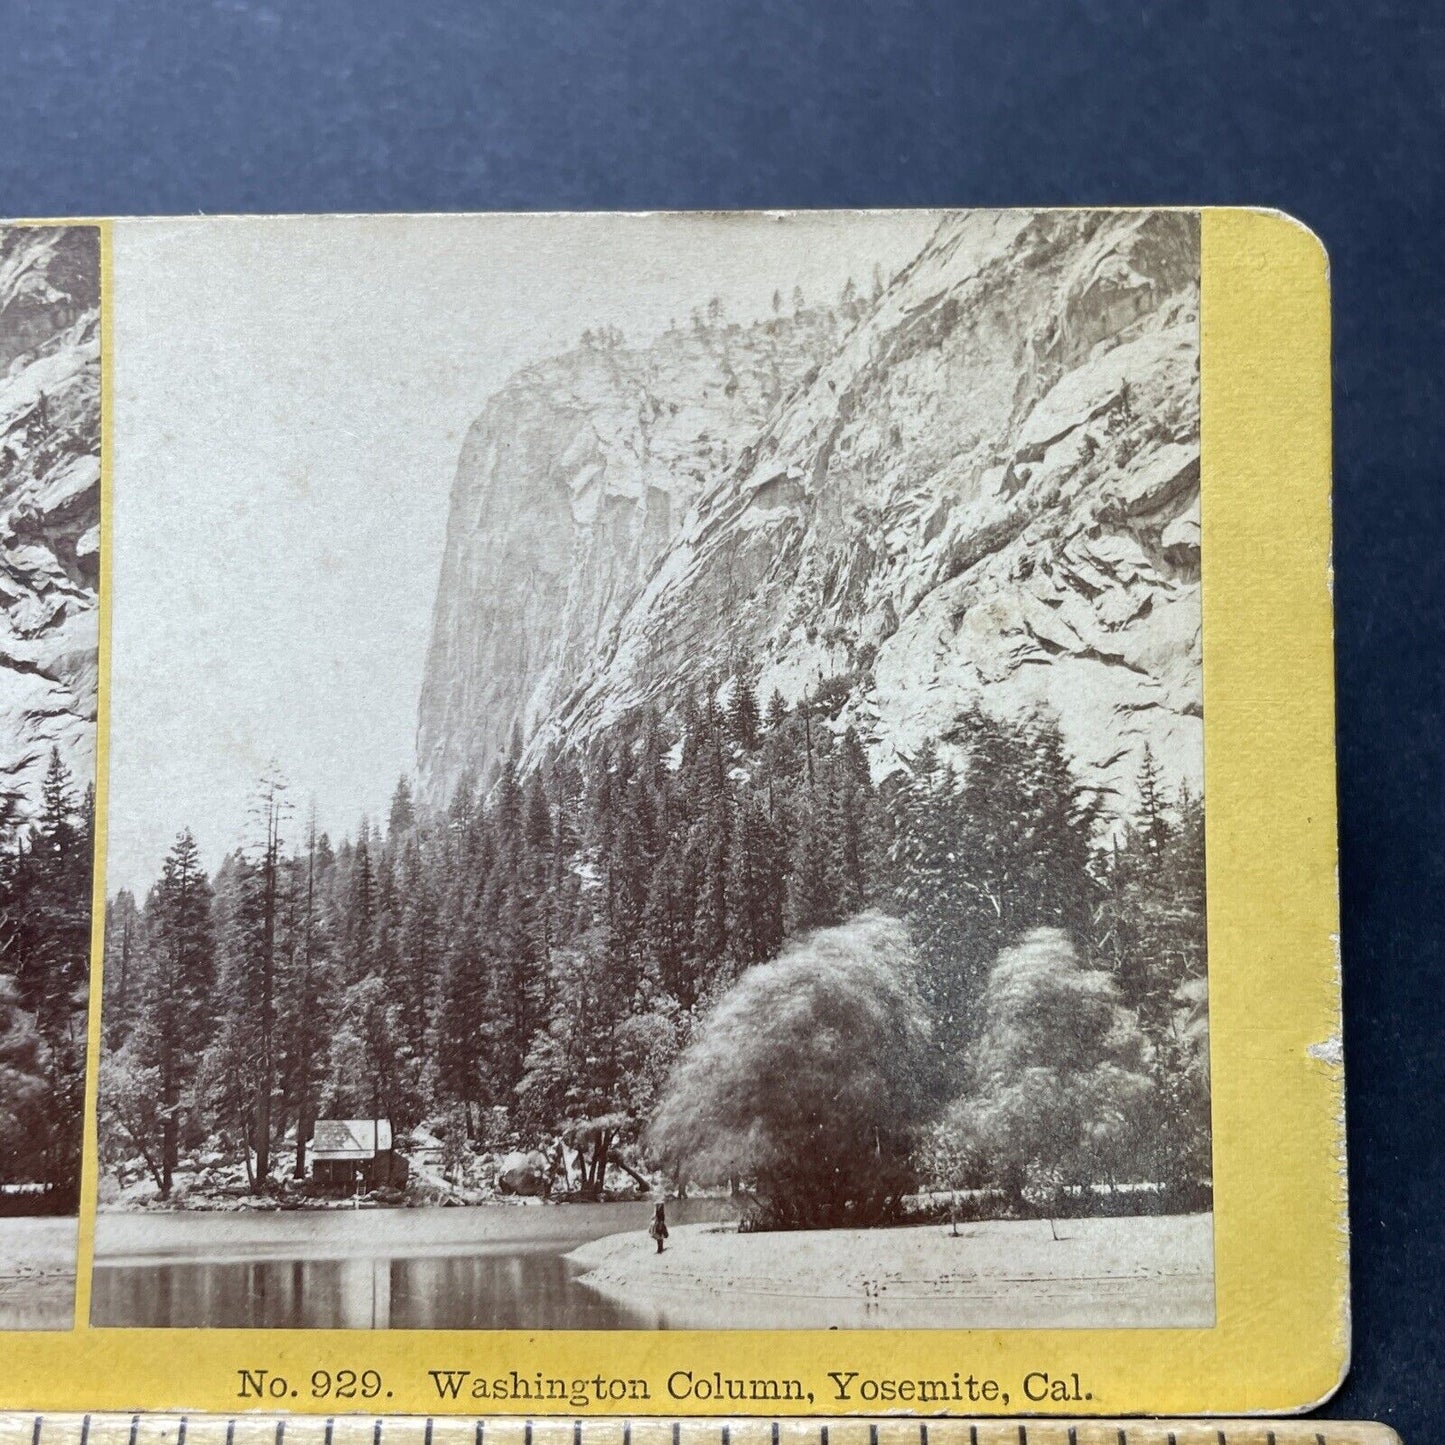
x=1281, y=1338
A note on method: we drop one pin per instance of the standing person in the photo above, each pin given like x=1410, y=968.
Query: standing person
x=658, y=1228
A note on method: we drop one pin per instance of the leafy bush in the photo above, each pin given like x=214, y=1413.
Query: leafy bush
x=808, y=1078
x=1058, y=1084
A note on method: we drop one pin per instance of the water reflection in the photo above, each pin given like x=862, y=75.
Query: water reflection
x=527, y=1291
x=522, y=1282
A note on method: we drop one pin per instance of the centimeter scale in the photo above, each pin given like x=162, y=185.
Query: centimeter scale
x=263, y=1429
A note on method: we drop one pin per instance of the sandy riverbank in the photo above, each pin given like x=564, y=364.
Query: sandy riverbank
x=999, y=1274
x=37, y=1274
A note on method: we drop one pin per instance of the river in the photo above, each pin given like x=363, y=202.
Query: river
x=493, y=1267
x=37, y=1273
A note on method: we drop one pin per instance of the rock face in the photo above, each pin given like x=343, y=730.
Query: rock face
x=984, y=489
x=572, y=484
x=49, y=502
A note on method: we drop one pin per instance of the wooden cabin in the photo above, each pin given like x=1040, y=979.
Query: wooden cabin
x=352, y=1153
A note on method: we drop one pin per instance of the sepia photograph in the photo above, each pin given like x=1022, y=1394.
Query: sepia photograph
x=656, y=771
x=49, y=585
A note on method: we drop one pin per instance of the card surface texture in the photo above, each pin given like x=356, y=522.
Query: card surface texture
x=668, y=813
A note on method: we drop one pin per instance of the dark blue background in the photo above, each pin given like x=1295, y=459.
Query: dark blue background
x=1330, y=111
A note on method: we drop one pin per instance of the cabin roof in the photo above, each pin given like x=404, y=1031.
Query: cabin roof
x=350, y=1138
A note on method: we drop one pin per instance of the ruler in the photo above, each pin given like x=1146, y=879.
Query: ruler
x=260, y=1429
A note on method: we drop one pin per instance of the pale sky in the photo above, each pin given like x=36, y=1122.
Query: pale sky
x=291, y=395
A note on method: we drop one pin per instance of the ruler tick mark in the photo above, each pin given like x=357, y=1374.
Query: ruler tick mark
x=85, y=1431
x=35, y=1433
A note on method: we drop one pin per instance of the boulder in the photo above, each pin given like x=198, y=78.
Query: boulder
x=523, y=1173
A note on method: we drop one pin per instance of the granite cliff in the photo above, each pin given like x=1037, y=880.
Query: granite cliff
x=572, y=484
x=981, y=484
x=49, y=503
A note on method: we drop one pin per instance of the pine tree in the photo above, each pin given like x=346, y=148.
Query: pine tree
x=24, y=1091
x=1153, y=827
x=626, y=867
x=537, y=818
x=227, y=1075
x=403, y=811
x=360, y=908
x=271, y=808
x=123, y=946
x=304, y=1005
x=755, y=887
x=462, y=1020
x=813, y=885
x=1151, y=926
x=178, y=995
x=52, y=897
x=782, y=751
x=46, y=951
x=933, y=891
x=242, y=1066
x=56, y=831
x=417, y=947
x=743, y=720
x=709, y=847
x=850, y=863
x=506, y=803
x=777, y=717
x=981, y=862
x=1058, y=849
x=668, y=923
x=1183, y=869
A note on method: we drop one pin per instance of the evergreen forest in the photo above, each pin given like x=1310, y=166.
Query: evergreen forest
x=971, y=976
x=46, y=874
